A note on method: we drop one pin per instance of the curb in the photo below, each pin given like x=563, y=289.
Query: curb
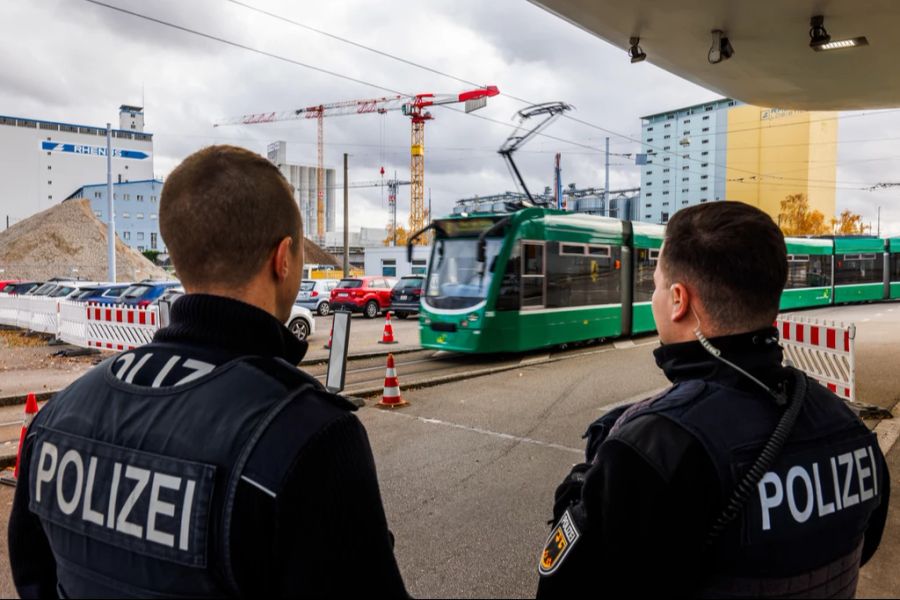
x=8, y=460
x=435, y=381
x=20, y=398
x=360, y=356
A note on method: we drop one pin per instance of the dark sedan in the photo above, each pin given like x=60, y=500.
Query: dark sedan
x=406, y=294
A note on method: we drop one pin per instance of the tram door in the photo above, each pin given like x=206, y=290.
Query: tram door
x=534, y=288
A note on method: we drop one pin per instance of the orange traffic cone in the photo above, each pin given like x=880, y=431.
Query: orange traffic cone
x=390, y=398
x=387, y=337
x=31, y=408
x=330, y=335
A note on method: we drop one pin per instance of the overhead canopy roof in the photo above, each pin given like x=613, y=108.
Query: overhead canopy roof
x=773, y=64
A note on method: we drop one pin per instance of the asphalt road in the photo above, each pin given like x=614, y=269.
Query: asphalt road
x=468, y=470
x=365, y=335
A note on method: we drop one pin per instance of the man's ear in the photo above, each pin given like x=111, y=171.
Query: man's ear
x=681, y=301
x=281, y=258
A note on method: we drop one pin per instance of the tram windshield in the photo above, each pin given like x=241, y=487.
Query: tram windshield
x=456, y=278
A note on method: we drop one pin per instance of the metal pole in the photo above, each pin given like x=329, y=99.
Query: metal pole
x=346, y=221
x=606, y=194
x=879, y=222
x=111, y=230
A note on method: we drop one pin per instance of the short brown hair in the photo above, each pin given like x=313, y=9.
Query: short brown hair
x=735, y=257
x=222, y=212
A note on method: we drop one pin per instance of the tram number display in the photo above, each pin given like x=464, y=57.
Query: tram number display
x=465, y=227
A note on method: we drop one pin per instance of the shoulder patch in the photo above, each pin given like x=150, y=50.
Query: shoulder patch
x=563, y=537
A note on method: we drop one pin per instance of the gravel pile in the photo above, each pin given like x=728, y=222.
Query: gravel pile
x=314, y=255
x=68, y=240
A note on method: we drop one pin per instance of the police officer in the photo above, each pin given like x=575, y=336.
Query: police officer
x=744, y=478
x=205, y=463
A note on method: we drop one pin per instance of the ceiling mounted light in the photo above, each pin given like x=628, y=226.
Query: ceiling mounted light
x=636, y=52
x=721, y=48
x=819, y=40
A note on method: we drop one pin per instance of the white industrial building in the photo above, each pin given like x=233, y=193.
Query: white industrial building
x=44, y=162
x=390, y=261
x=305, y=183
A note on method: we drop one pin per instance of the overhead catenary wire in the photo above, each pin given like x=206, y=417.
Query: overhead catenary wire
x=626, y=137
x=394, y=91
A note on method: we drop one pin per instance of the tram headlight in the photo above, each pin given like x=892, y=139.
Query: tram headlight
x=473, y=317
x=426, y=321
x=464, y=323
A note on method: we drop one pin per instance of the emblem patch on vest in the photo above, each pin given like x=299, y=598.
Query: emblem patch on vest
x=559, y=544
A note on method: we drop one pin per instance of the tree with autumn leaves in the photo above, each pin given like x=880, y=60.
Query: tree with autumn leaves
x=796, y=218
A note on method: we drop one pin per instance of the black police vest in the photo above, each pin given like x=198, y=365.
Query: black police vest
x=135, y=486
x=801, y=532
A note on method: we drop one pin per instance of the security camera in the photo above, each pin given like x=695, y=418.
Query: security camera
x=635, y=51
x=721, y=48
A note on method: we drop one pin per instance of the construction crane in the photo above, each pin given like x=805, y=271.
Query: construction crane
x=414, y=107
x=393, y=185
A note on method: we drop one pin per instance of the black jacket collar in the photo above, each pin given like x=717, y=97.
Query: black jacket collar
x=231, y=326
x=757, y=352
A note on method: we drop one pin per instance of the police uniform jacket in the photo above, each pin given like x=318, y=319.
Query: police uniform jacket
x=635, y=517
x=204, y=464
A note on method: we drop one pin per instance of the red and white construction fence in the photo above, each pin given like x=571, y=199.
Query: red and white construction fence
x=824, y=350
x=105, y=327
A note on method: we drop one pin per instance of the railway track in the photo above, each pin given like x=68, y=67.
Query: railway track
x=416, y=369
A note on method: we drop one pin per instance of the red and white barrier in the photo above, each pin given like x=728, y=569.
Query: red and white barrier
x=119, y=327
x=823, y=350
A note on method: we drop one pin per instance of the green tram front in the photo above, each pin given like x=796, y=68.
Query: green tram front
x=536, y=278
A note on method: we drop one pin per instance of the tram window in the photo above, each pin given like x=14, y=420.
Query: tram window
x=571, y=249
x=534, y=259
x=586, y=280
x=858, y=268
x=509, y=296
x=895, y=267
x=798, y=271
x=533, y=275
x=645, y=264
x=598, y=251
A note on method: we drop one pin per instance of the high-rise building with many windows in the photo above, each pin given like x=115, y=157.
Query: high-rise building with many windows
x=728, y=150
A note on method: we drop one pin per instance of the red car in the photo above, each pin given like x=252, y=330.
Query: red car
x=369, y=295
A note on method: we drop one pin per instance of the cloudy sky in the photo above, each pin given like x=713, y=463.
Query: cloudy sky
x=74, y=61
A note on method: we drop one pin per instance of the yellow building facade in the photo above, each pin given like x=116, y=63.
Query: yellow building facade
x=773, y=153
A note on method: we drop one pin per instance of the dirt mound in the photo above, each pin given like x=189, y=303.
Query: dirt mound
x=314, y=255
x=66, y=237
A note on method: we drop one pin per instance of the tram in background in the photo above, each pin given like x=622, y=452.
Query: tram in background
x=539, y=277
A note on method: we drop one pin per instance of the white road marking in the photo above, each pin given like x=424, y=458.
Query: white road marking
x=621, y=344
x=496, y=434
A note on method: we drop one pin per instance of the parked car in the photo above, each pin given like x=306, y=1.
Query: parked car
x=315, y=294
x=42, y=288
x=170, y=295
x=145, y=292
x=6, y=282
x=369, y=295
x=301, y=322
x=406, y=295
x=107, y=293
x=21, y=287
